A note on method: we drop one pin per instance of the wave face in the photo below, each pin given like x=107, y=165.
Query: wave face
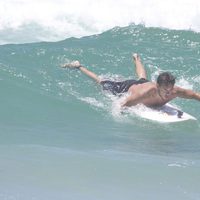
x=62, y=137
x=48, y=20
x=35, y=91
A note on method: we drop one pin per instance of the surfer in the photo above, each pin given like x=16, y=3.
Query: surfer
x=141, y=91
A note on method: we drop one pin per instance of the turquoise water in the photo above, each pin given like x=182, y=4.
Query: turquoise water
x=61, y=137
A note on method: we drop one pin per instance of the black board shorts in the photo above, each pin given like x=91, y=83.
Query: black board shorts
x=118, y=87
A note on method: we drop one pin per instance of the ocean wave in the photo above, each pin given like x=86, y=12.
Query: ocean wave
x=47, y=20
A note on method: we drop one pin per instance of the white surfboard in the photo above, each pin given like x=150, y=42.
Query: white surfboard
x=165, y=114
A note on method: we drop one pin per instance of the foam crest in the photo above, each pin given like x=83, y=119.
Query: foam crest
x=185, y=83
x=49, y=20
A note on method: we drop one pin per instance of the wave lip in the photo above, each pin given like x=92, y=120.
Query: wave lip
x=50, y=20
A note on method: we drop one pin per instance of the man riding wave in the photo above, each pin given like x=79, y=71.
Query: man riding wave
x=141, y=91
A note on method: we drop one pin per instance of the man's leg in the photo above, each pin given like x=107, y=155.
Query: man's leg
x=140, y=70
x=76, y=64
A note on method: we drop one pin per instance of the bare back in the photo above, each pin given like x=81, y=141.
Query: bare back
x=147, y=94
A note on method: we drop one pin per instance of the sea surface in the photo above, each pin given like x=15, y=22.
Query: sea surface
x=62, y=137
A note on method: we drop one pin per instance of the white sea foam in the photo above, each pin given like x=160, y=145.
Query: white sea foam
x=50, y=20
x=92, y=101
x=184, y=83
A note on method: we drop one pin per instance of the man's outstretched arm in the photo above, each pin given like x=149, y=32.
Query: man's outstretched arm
x=188, y=94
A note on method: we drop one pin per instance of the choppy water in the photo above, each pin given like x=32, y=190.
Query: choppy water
x=49, y=20
x=60, y=137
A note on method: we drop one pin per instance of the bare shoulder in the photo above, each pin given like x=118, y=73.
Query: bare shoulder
x=182, y=92
x=179, y=90
x=150, y=87
x=142, y=87
x=145, y=89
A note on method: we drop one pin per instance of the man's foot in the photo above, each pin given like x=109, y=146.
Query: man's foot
x=74, y=64
x=136, y=57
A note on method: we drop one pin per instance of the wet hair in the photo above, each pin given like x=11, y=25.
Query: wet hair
x=166, y=78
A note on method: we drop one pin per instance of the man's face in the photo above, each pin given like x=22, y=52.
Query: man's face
x=165, y=91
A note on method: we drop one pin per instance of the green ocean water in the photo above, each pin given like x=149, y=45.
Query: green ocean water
x=60, y=134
